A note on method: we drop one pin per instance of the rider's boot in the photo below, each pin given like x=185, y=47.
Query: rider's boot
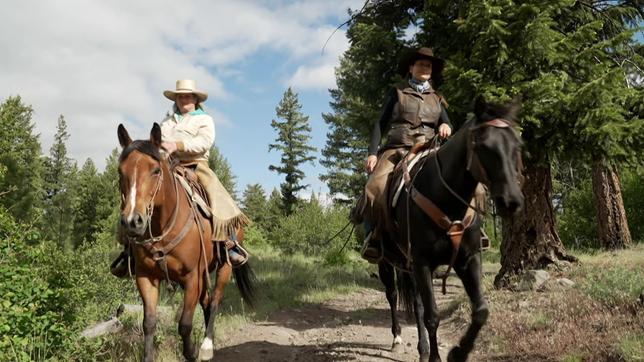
x=371, y=249
x=119, y=267
x=237, y=255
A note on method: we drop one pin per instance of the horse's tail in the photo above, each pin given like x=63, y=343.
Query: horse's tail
x=406, y=292
x=245, y=280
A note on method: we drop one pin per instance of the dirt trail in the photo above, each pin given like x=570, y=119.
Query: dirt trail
x=354, y=327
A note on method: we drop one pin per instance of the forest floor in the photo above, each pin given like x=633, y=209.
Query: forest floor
x=308, y=316
x=354, y=327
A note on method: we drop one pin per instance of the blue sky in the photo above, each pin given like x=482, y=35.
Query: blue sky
x=102, y=63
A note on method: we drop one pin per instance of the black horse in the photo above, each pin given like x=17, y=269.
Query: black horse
x=434, y=204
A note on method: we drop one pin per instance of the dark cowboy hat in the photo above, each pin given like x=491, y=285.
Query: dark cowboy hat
x=410, y=57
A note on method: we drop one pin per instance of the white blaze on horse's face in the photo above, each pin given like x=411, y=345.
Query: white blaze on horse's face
x=132, y=197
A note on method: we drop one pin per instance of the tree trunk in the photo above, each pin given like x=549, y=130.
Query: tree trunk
x=530, y=239
x=611, y=216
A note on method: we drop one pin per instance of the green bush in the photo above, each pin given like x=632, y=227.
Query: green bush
x=633, y=196
x=577, y=224
x=48, y=296
x=31, y=324
x=309, y=229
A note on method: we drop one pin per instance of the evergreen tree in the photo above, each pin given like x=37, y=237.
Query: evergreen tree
x=254, y=204
x=22, y=185
x=219, y=164
x=344, y=159
x=109, y=199
x=558, y=55
x=274, y=210
x=292, y=142
x=59, y=193
x=88, y=193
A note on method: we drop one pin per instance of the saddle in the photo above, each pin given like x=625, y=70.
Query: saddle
x=395, y=251
x=187, y=178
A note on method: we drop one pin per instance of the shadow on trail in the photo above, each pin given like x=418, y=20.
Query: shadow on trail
x=262, y=351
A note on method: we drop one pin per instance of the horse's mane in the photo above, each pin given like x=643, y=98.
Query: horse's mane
x=506, y=111
x=145, y=147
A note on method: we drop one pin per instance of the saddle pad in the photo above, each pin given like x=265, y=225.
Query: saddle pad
x=188, y=179
x=398, y=181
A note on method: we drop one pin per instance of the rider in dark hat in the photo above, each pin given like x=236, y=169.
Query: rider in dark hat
x=414, y=112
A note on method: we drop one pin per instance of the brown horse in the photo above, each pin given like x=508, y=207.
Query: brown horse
x=170, y=239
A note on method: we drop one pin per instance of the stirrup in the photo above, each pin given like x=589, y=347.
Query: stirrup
x=233, y=245
x=120, y=268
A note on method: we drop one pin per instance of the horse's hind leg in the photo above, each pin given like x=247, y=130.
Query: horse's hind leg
x=190, y=296
x=210, y=308
x=471, y=278
x=149, y=290
x=425, y=287
x=387, y=274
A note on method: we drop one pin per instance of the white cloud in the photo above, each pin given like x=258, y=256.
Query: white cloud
x=100, y=63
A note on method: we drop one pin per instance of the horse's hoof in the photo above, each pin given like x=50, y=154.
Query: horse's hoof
x=397, y=345
x=207, y=350
x=456, y=355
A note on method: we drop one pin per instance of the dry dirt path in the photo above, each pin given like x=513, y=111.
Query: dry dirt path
x=354, y=327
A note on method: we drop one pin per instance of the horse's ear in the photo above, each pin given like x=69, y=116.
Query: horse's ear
x=479, y=106
x=124, y=137
x=155, y=135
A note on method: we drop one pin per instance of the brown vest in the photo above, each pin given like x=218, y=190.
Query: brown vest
x=414, y=118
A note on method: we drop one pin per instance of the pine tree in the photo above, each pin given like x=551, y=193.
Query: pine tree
x=344, y=159
x=292, y=142
x=274, y=210
x=501, y=49
x=22, y=185
x=254, y=204
x=220, y=166
x=59, y=192
x=88, y=193
x=107, y=208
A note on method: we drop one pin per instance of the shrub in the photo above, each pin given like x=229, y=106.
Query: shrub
x=309, y=229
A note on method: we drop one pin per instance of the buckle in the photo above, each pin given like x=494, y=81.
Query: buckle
x=456, y=227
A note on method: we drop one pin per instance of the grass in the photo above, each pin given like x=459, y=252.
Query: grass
x=599, y=319
x=631, y=347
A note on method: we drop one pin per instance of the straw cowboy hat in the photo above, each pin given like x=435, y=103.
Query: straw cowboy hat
x=186, y=86
x=412, y=55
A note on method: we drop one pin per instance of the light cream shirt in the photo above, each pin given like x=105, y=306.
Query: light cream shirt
x=193, y=133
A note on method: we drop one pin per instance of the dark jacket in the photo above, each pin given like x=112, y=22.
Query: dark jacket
x=408, y=116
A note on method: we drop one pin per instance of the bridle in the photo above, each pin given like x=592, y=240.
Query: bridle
x=474, y=163
x=149, y=212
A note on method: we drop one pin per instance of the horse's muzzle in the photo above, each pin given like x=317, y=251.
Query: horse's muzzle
x=507, y=205
x=134, y=223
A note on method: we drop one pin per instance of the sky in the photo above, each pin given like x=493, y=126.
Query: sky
x=101, y=63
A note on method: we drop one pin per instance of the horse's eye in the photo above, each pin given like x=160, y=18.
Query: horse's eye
x=156, y=171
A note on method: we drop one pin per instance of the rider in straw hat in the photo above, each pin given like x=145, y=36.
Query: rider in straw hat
x=188, y=133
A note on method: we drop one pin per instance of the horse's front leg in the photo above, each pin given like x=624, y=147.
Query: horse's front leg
x=424, y=283
x=423, y=338
x=149, y=290
x=212, y=306
x=471, y=277
x=190, y=297
x=386, y=273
